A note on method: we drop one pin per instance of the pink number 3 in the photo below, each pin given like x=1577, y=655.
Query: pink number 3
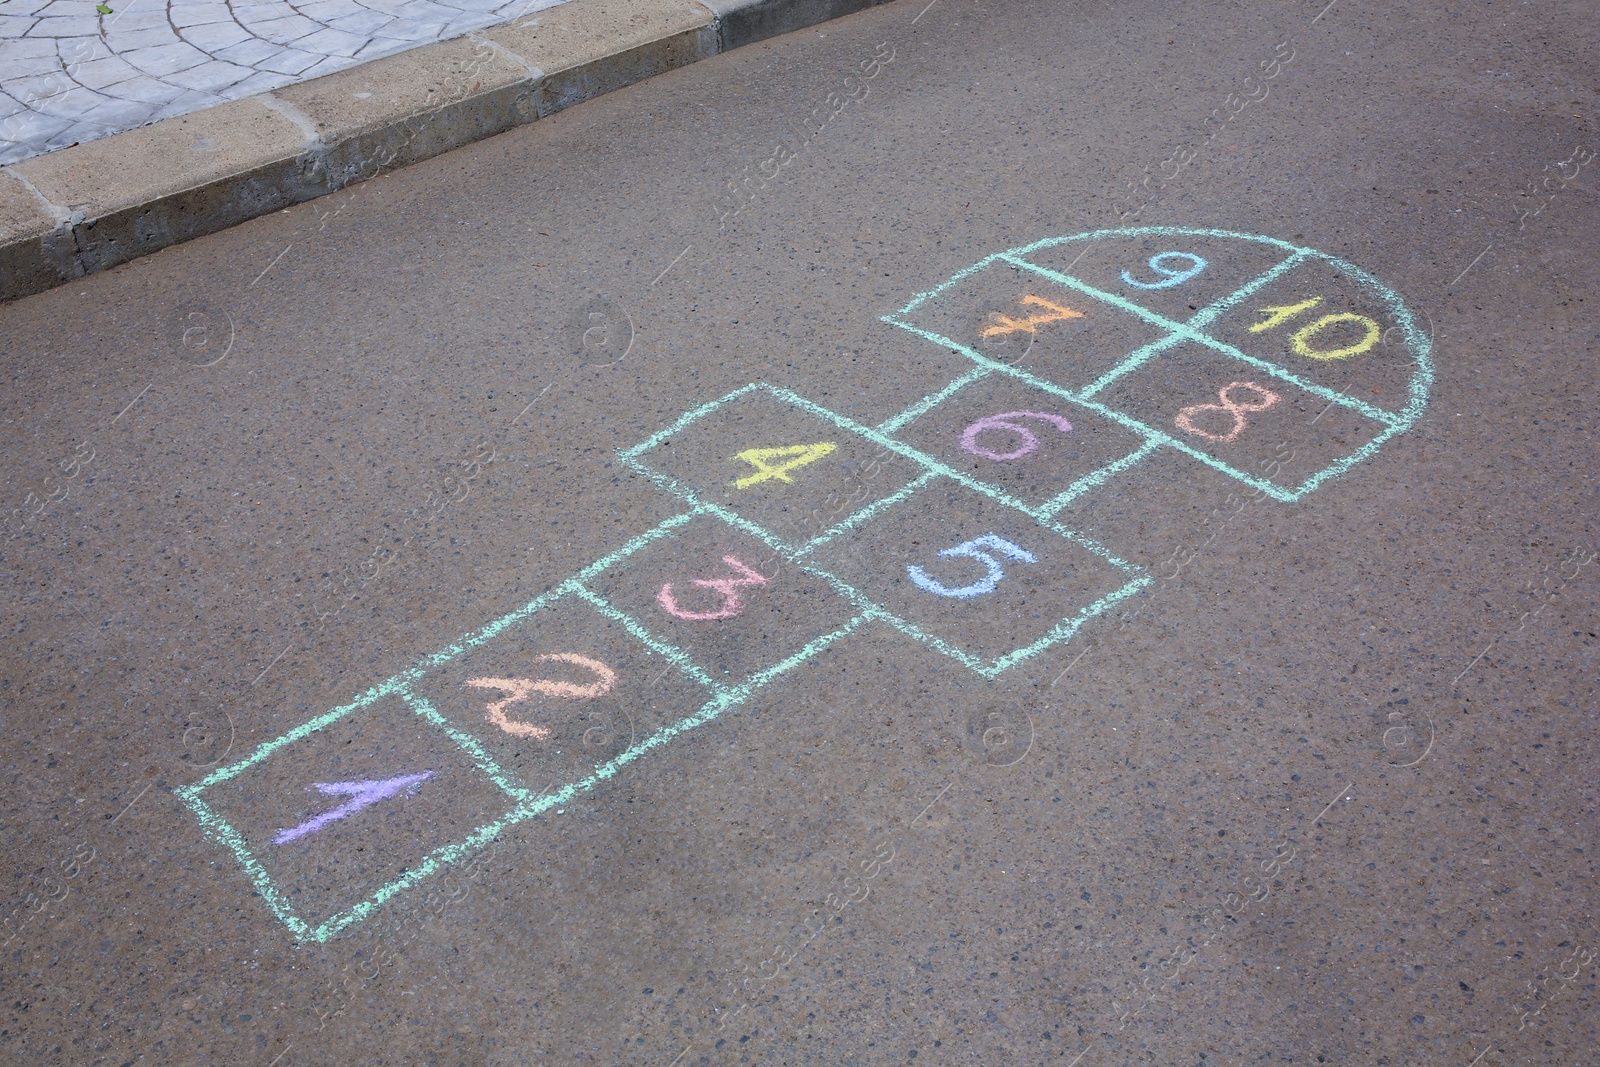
x=728, y=587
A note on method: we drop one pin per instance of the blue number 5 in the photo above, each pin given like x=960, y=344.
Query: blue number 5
x=1173, y=277
x=983, y=585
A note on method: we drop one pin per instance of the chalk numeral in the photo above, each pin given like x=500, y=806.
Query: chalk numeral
x=1236, y=408
x=1300, y=340
x=1277, y=316
x=520, y=689
x=728, y=587
x=362, y=794
x=1169, y=277
x=1056, y=313
x=971, y=550
x=797, y=456
x=1003, y=421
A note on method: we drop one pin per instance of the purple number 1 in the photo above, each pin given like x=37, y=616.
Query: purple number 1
x=362, y=794
x=1030, y=443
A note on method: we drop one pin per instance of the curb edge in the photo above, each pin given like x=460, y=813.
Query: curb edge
x=59, y=224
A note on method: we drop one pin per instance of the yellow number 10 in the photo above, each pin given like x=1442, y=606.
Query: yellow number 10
x=1300, y=340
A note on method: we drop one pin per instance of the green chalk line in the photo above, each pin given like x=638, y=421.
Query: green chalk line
x=684, y=420
x=493, y=629
x=225, y=833
x=675, y=656
x=265, y=886
x=529, y=806
x=566, y=588
x=932, y=464
x=1095, y=479
x=1149, y=433
x=987, y=668
x=728, y=698
x=1420, y=344
x=922, y=298
x=1050, y=242
x=761, y=678
x=1155, y=231
x=1202, y=338
x=433, y=861
x=932, y=467
x=660, y=530
x=698, y=505
x=703, y=506
x=1338, y=467
x=399, y=685
x=1286, y=495
x=932, y=400
x=475, y=751
x=267, y=748
x=1064, y=630
x=1211, y=312
x=1135, y=359
x=883, y=441
x=1200, y=318
x=450, y=854
x=852, y=521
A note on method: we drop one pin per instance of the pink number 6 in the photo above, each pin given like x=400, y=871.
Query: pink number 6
x=1030, y=443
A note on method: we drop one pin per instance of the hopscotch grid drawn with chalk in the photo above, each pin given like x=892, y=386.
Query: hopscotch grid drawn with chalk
x=676, y=594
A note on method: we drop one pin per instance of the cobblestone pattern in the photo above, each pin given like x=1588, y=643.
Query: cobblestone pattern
x=75, y=70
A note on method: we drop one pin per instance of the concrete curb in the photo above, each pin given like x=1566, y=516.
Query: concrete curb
x=83, y=209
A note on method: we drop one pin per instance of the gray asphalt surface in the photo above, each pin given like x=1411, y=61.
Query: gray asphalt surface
x=1252, y=722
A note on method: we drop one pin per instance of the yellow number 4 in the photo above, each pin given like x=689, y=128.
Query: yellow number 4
x=796, y=455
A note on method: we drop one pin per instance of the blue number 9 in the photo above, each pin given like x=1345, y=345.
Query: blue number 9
x=1173, y=277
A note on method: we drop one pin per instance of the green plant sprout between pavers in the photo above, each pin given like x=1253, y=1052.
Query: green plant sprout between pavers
x=862, y=608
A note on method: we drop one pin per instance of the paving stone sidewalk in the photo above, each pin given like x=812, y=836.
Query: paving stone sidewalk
x=73, y=70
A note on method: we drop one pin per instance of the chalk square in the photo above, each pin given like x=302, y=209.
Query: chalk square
x=1013, y=316
x=1331, y=327
x=1274, y=433
x=1119, y=267
x=597, y=689
x=317, y=872
x=775, y=460
x=765, y=612
x=1025, y=451
x=1021, y=586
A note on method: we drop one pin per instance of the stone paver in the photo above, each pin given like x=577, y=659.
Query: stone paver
x=70, y=74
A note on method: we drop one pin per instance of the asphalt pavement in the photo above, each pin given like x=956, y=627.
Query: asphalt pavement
x=978, y=532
